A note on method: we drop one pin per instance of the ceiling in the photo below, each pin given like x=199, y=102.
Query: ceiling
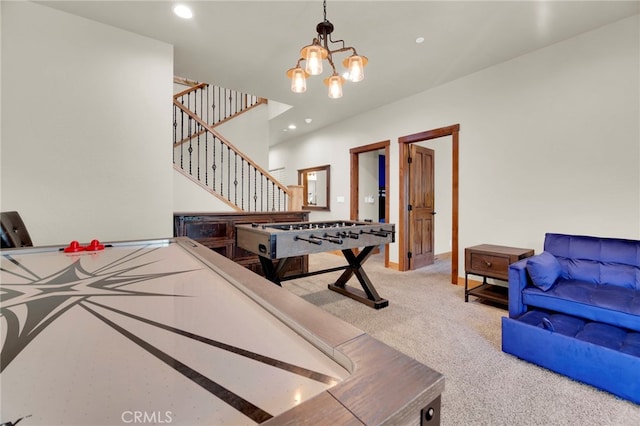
x=249, y=45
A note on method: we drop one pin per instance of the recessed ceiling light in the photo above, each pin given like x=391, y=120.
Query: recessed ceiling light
x=420, y=40
x=292, y=126
x=182, y=11
x=308, y=120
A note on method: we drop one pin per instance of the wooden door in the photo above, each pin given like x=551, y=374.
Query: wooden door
x=421, y=210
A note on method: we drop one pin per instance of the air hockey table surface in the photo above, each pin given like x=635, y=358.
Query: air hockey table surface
x=168, y=331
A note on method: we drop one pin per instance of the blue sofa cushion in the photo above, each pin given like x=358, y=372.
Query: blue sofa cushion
x=598, y=260
x=609, y=304
x=544, y=270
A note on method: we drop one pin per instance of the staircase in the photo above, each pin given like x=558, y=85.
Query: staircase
x=203, y=155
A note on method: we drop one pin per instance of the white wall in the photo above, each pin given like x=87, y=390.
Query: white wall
x=188, y=197
x=249, y=132
x=549, y=142
x=86, y=127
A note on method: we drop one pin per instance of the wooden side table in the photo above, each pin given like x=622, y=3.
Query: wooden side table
x=491, y=261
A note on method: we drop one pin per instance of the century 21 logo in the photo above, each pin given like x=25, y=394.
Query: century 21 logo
x=154, y=417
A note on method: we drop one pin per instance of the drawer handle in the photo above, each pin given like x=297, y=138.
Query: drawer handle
x=487, y=263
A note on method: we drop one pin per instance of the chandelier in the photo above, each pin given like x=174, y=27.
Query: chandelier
x=315, y=53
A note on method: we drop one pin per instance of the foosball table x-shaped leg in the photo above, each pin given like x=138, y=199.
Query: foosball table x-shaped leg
x=369, y=296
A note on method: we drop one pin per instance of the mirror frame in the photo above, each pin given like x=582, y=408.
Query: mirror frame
x=302, y=180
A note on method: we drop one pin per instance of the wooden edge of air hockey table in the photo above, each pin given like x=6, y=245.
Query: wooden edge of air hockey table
x=385, y=387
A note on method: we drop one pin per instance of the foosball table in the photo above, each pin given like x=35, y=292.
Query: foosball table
x=283, y=241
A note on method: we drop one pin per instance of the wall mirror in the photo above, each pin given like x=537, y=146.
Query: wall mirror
x=315, y=186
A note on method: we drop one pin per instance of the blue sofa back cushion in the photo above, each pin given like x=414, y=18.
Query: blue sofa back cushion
x=544, y=270
x=597, y=260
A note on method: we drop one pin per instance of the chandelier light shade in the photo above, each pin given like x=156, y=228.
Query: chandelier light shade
x=317, y=52
x=355, y=64
x=335, y=86
x=314, y=55
x=298, y=78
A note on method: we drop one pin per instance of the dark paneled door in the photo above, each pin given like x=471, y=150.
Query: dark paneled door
x=421, y=200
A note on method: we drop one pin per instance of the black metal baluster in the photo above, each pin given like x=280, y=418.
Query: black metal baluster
x=216, y=104
x=231, y=103
x=227, y=104
x=190, y=147
x=199, y=128
x=273, y=196
x=175, y=132
x=190, y=150
x=235, y=178
x=181, y=135
x=279, y=198
x=206, y=158
x=213, y=165
x=255, y=189
x=266, y=194
x=221, y=167
x=219, y=106
x=228, y=173
x=242, y=183
x=223, y=103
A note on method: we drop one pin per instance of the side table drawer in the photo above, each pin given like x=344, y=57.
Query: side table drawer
x=491, y=265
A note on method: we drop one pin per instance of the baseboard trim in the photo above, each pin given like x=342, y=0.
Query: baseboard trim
x=442, y=256
x=470, y=282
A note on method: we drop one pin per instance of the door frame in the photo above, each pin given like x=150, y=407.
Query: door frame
x=354, y=184
x=403, y=243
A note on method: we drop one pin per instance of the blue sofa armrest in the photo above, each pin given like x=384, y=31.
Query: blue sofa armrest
x=518, y=280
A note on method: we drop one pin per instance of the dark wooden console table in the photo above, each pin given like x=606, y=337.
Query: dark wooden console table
x=491, y=261
x=217, y=230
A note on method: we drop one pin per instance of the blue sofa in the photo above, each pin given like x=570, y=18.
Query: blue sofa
x=588, y=277
x=575, y=309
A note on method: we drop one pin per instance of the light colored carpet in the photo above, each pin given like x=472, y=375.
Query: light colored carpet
x=428, y=320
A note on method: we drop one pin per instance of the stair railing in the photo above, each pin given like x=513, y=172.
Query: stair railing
x=214, y=104
x=206, y=157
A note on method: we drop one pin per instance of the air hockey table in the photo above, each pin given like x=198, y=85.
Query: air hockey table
x=170, y=332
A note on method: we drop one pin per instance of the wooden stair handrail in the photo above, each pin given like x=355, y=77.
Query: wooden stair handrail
x=201, y=132
x=190, y=89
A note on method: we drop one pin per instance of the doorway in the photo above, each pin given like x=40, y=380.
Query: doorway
x=355, y=192
x=421, y=206
x=451, y=133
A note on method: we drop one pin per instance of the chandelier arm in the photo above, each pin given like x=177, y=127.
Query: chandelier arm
x=336, y=41
x=344, y=49
x=330, y=60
